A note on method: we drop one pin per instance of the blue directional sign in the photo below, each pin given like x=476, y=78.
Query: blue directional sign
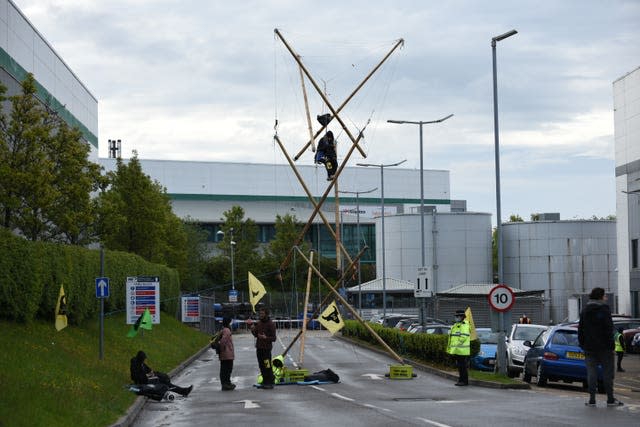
x=102, y=287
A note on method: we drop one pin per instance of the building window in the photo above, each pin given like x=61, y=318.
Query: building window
x=634, y=253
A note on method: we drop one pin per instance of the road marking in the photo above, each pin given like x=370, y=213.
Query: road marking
x=373, y=376
x=248, y=404
x=339, y=396
x=318, y=388
x=433, y=423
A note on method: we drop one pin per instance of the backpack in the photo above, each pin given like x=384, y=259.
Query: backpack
x=215, y=342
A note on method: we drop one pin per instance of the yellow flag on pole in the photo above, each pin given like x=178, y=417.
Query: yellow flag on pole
x=256, y=291
x=331, y=318
x=61, y=310
x=472, y=326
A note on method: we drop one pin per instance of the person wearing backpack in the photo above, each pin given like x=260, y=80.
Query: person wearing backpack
x=226, y=355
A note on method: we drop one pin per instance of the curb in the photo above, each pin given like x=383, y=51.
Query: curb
x=436, y=371
x=134, y=410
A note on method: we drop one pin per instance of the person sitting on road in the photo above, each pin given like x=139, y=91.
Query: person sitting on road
x=141, y=373
x=277, y=365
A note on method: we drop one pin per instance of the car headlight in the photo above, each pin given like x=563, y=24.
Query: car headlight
x=520, y=351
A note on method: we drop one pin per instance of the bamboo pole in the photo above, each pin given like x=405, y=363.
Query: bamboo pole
x=348, y=306
x=304, y=311
x=326, y=298
x=346, y=101
x=306, y=107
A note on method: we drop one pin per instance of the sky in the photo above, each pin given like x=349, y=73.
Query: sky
x=207, y=80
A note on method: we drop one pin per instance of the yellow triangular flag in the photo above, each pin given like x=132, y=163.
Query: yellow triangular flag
x=472, y=326
x=331, y=319
x=256, y=291
x=61, y=310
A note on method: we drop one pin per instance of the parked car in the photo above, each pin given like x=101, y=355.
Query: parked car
x=432, y=328
x=516, y=352
x=630, y=327
x=403, y=324
x=485, y=360
x=555, y=355
x=392, y=319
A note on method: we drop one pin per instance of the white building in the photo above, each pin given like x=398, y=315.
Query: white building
x=24, y=50
x=626, y=107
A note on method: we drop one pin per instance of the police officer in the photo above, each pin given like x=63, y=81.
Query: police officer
x=619, y=341
x=459, y=347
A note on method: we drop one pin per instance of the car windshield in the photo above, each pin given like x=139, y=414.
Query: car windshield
x=488, y=337
x=565, y=338
x=524, y=334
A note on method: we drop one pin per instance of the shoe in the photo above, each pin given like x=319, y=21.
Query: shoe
x=228, y=387
x=461, y=384
x=621, y=370
x=267, y=386
x=614, y=402
x=187, y=391
x=329, y=178
x=591, y=403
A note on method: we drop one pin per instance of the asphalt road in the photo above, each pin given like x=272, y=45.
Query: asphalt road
x=364, y=397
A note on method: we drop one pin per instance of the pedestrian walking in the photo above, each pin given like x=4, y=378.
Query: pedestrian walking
x=459, y=346
x=595, y=335
x=265, y=332
x=226, y=355
x=618, y=339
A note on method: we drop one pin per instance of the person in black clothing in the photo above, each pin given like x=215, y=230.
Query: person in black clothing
x=596, y=339
x=326, y=154
x=265, y=332
x=141, y=373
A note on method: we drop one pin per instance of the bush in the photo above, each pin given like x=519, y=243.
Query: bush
x=31, y=274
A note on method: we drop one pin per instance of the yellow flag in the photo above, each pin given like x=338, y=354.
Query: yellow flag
x=472, y=326
x=256, y=291
x=331, y=319
x=61, y=310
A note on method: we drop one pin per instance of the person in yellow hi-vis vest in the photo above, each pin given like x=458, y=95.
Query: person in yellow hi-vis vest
x=459, y=347
x=277, y=364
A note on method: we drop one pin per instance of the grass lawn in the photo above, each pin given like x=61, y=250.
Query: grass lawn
x=51, y=378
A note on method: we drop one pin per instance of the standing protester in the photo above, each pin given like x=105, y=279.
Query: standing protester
x=459, y=346
x=265, y=332
x=141, y=373
x=226, y=355
x=618, y=338
x=595, y=334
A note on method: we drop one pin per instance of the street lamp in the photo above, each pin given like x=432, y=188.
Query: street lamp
x=232, y=245
x=420, y=123
x=501, y=359
x=384, y=273
x=358, y=193
x=497, y=148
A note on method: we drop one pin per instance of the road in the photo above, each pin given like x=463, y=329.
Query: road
x=364, y=397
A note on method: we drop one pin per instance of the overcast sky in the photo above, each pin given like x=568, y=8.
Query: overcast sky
x=206, y=80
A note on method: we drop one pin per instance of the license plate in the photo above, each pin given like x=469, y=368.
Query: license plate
x=491, y=362
x=575, y=355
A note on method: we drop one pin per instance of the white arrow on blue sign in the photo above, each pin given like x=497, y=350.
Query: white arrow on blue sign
x=102, y=287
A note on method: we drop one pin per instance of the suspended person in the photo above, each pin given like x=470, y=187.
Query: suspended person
x=226, y=355
x=265, y=332
x=326, y=154
x=141, y=373
x=459, y=347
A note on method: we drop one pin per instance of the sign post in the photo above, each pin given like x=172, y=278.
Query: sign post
x=501, y=300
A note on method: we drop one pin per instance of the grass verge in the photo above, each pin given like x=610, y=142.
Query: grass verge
x=51, y=378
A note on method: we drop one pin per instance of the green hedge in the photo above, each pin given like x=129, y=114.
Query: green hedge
x=426, y=347
x=31, y=274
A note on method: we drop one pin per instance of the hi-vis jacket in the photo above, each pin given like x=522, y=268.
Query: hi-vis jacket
x=459, y=339
x=619, y=345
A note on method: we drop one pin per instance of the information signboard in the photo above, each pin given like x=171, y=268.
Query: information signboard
x=143, y=292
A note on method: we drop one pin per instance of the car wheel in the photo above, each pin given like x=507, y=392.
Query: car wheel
x=541, y=379
x=526, y=376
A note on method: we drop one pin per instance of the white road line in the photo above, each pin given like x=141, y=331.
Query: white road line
x=318, y=388
x=433, y=423
x=339, y=396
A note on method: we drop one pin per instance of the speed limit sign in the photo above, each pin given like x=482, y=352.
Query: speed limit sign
x=501, y=298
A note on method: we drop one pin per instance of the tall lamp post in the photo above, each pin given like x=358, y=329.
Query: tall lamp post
x=358, y=193
x=384, y=273
x=232, y=245
x=422, y=249
x=497, y=148
x=501, y=350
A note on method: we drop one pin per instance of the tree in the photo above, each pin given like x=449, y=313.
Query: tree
x=515, y=218
x=45, y=176
x=193, y=278
x=136, y=216
x=287, y=231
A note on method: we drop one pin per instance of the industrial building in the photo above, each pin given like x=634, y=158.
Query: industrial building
x=24, y=50
x=626, y=113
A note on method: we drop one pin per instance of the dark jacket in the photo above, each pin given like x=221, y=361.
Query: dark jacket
x=268, y=328
x=595, y=331
x=139, y=369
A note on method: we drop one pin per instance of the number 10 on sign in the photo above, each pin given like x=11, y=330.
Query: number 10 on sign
x=501, y=298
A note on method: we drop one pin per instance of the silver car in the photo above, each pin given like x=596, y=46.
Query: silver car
x=515, y=350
